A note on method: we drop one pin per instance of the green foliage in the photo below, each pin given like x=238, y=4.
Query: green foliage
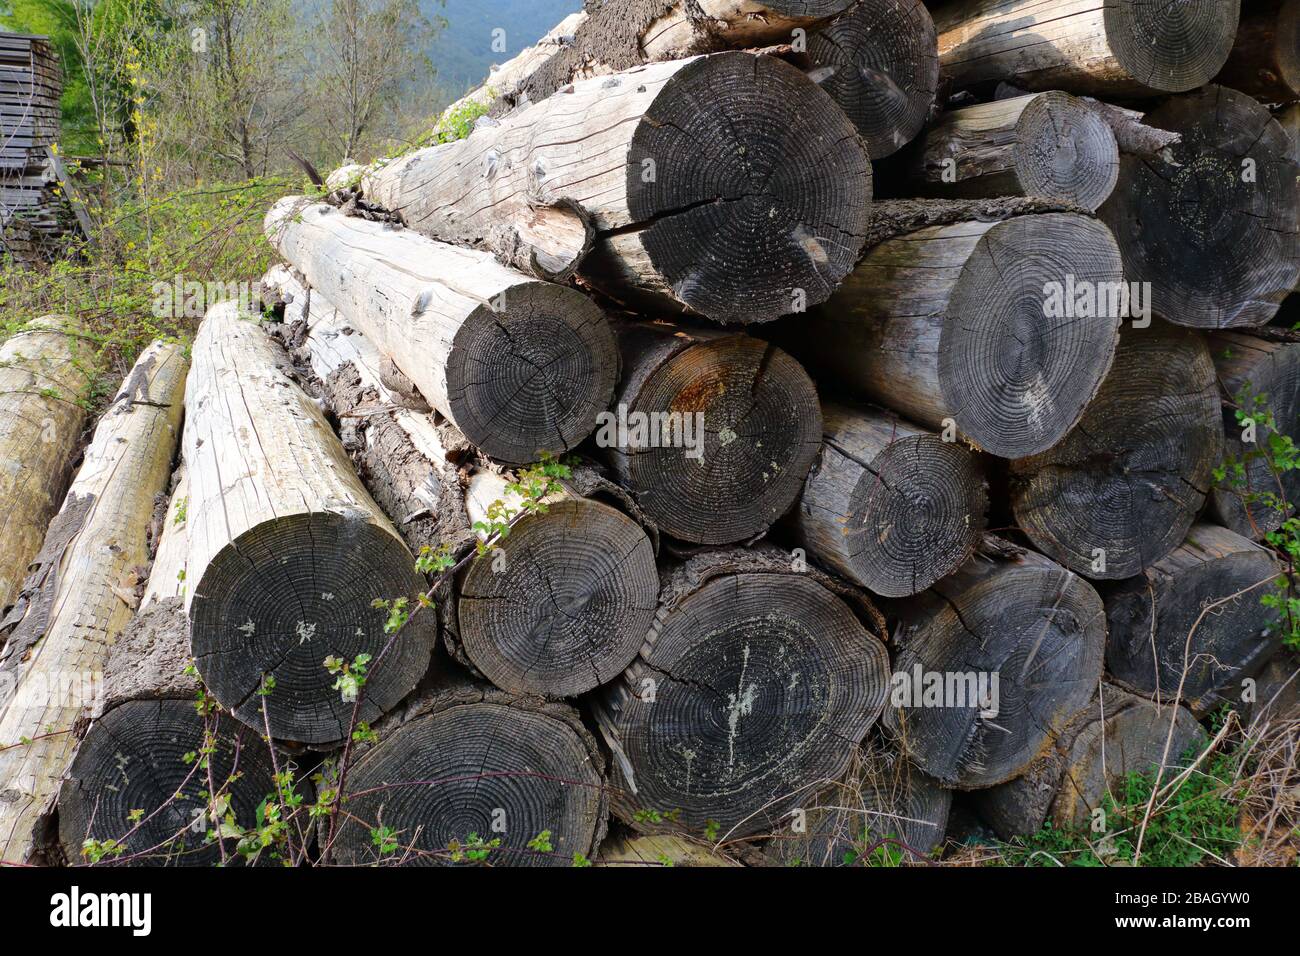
x=474, y=850
x=1278, y=455
x=1196, y=823
x=349, y=677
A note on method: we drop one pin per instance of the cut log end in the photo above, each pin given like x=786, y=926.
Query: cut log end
x=756, y=427
x=1065, y=150
x=1035, y=627
x=755, y=688
x=489, y=769
x=890, y=508
x=287, y=594
x=754, y=187
x=1197, y=611
x=138, y=757
x=1122, y=489
x=880, y=63
x=1171, y=48
x=528, y=373
x=1214, y=231
x=565, y=602
x=1015, y=377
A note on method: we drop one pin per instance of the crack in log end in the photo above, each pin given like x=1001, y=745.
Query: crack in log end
x=760, y=187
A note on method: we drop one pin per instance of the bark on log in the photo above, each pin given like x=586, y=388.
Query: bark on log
x=728, y=185
x=1289, y=118
x=1125, y=48
x=1032, y=625
x=720, y=430
x=1257, y=376
x=1117, y=735
x=1196, y=611
x=947, y=324
x=475, y=761
x=1123, y=488
x=889, y=506
x=81, y=593
x=287, y=550
x=752, y=692
x=564, y=602
x=1265, y=60
x=884, y=805
x=520, y=367
x=1216, y=232
x=45, y=371
x=1051, y=145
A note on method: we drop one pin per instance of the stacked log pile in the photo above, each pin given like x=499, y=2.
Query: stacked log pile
x=32, y=214
x=749, y=503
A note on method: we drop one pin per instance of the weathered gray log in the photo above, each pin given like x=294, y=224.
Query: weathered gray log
x=519, y=366
x=1192, y=625
x=751, y=693
x=469, y=761
x=889, y=506
x=728, y=185
x=1265, y=60
x=1125, y=48
x=1275, y=694
x=1215, y=231
x=884, y=807
x=287, y=550
x=81, y=593
x=949, y=326
x=1261, y=379
x=1049, y=144
x=658, y=849
x=45, y=373
x=712, y=432
x=878, y=59
x=1117, y=735
x=1121, y=490
x=989, y=664
x=563, y=602
x=132, y=757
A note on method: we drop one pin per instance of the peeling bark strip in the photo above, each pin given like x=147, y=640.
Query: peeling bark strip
x=564, y=602
x=474, y=760
x=87, y=598
x=1217, y=230
x=751, y=693
x=286, y=549
x=520, y=367
x=727, y=185
x=1151, y=616
x=1037, y=626
x=1122, y=489
x=949, y=324
x=1265, y=61
x=891, y=507
x=1104, y=47
x=882, y=797
x=760, y=421
x=1117, y=735
x=44, y=373
x=1251, y=368
x=1050, y=145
